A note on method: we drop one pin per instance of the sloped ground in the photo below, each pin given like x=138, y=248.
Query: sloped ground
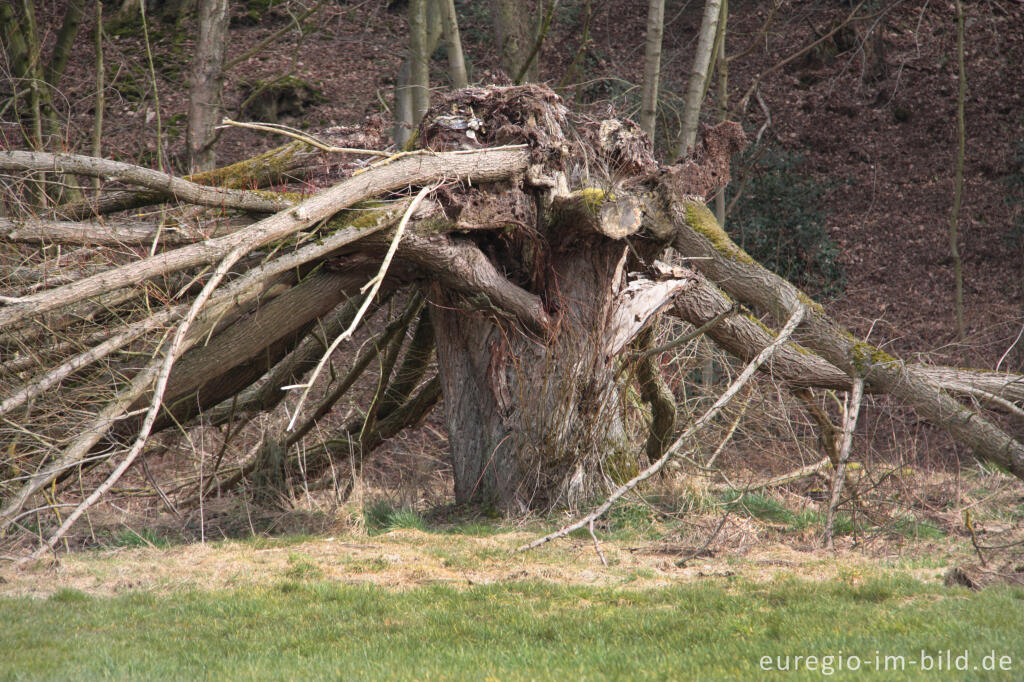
x=875, y=122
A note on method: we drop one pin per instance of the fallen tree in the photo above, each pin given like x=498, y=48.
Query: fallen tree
x=535, y=259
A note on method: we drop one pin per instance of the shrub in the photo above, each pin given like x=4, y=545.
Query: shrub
x=779, y=221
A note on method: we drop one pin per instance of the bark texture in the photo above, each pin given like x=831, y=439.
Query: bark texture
x=204, y=109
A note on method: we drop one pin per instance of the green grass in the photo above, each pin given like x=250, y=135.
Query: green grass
x=317, y=630
x=381, y=517
x=766, y=508
x=145, y=537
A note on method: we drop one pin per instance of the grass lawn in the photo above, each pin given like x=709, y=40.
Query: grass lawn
x=304, y=627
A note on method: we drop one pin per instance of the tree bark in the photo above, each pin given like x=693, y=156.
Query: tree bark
x=453, y=44
x=696, y=86
x=652, y=66
x=483, y=166
x=535, y=287
x=743, y=278
x=204, y=111
x=512, y=36
x=540, y=424
x=419, y=60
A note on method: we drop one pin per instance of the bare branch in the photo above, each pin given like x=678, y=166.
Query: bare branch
x=477, y=165
x=144, y=177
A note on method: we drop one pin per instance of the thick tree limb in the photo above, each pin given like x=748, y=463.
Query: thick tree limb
x=35, y=231
x=376, y=347
x=137, y=175
x=484, y=165
x=235, y=293
x=271, y=167
x=246, y=350
x=459, y=264
x=800, y=367
x=722, y=261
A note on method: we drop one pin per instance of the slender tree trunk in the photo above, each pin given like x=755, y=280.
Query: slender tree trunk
x=958, y=181
x=453, y=43
x=65, y=39
x=723, y=99
x=652, y=66
x=419, y=59
x=207, y=83
x=403, y=105
x=695, y=88
x=99, y=102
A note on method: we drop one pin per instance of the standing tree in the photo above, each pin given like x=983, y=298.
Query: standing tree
x=696, y=87
x=652, y=66
x=514, y=38
x=204, y=112
x=453, y=44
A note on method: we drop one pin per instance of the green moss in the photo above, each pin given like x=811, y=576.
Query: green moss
x=243, y=174
x=703, y=221
x=594, y=197
x=363, y=215
x=771, y=332
x=864, y=357
x=293, y=197
x=810, y=302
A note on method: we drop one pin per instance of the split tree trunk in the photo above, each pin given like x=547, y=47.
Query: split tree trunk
x=537, y=422
x=534, y=298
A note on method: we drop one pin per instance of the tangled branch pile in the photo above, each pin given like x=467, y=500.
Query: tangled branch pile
x=522, y=244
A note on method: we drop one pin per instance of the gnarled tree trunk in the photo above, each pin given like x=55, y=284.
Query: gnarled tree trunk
x=537, y=258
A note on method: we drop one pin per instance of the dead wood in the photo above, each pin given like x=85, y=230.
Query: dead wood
x=482, y=166
x=275, y=166
x=537, y=261
x=722, y=261
x=38, y=162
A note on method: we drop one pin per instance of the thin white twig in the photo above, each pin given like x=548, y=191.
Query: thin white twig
x=597, y=547
x=1012, y=346
x=374, y=286
x=308, y=139
x=787, y=331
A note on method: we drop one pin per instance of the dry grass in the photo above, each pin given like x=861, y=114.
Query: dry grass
x=402, y=559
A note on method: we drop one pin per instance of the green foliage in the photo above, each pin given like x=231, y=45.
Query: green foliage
x=918, y=530
x=1015, y=199
x=762, y=507
x=68, y=595
x=511, y=631
x=779, y=221
x=302, y=568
